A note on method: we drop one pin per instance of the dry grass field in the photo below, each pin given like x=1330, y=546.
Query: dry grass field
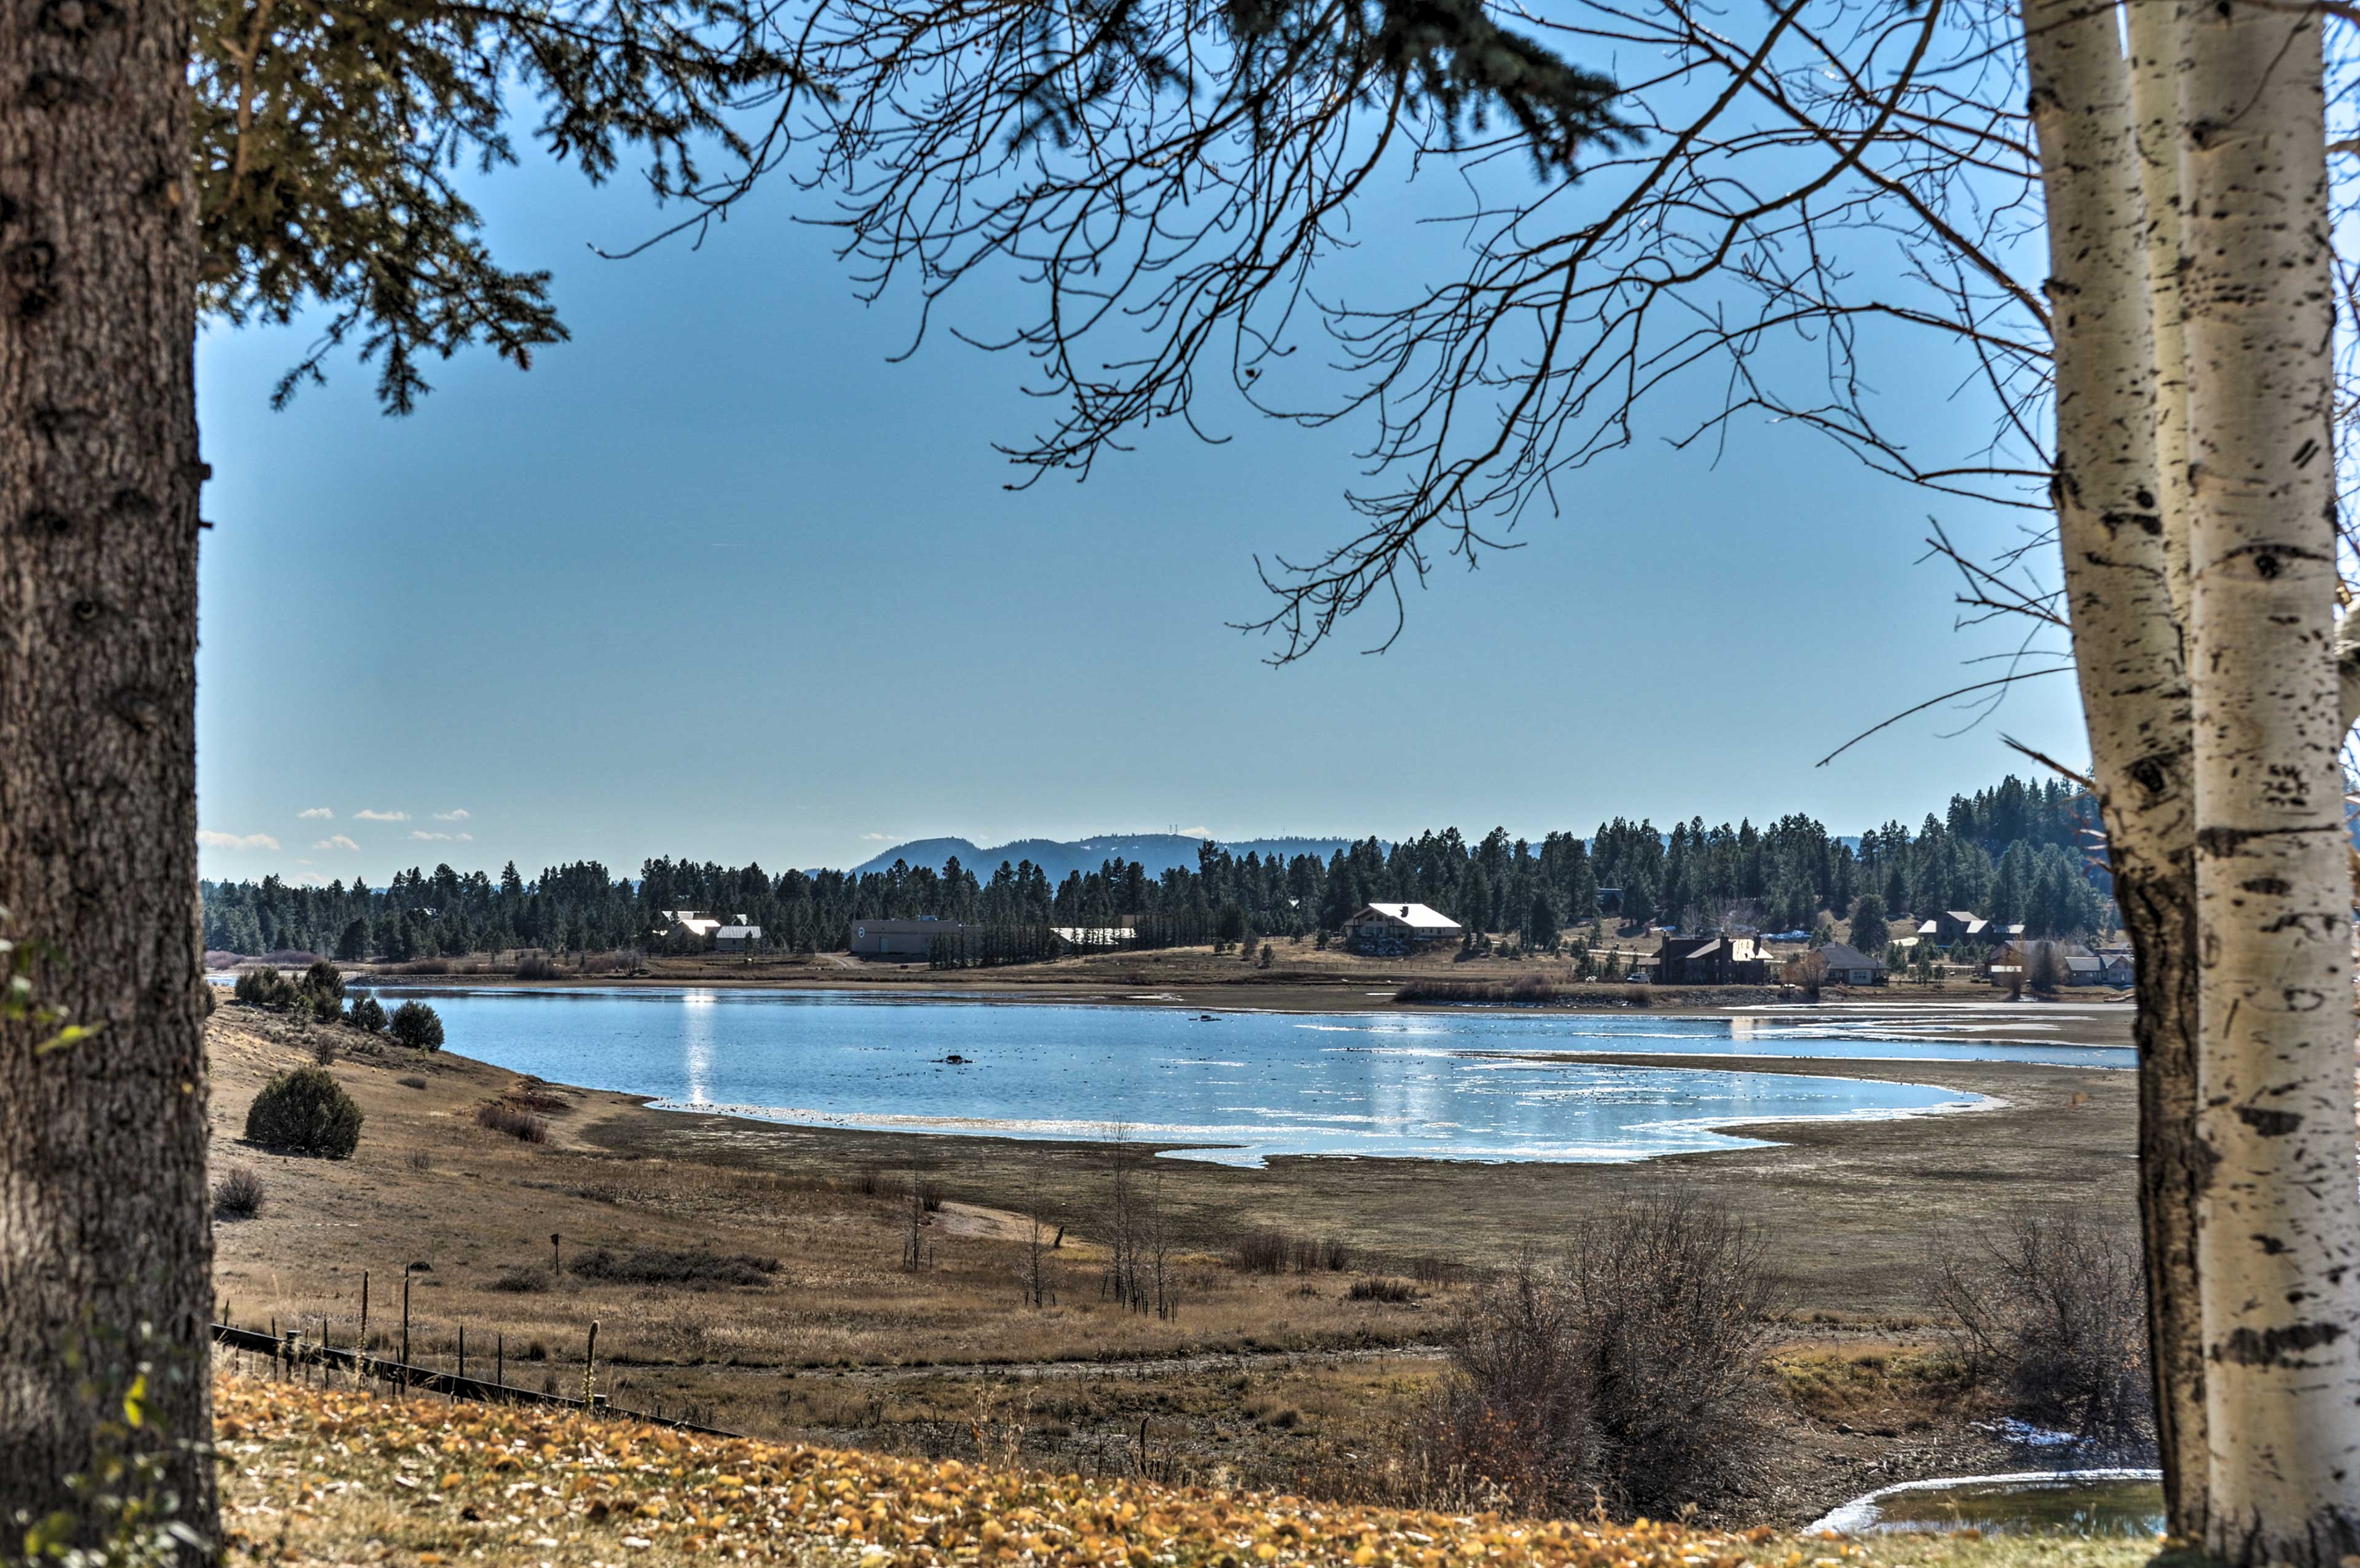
x=713, y=1273
x=318, y=1477
x=752, y=1276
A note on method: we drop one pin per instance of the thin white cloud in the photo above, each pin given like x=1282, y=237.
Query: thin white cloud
x=458, y=816
x=382, y=816
x=212, y=840
x=424, y=837
x=1195, y=832
x=335, y=841
x=317, y=815
x=877, y=838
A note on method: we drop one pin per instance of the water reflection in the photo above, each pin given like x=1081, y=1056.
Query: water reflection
x=1239, y=1089
x=2091, y=1503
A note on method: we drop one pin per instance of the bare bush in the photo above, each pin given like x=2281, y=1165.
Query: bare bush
x=520, y=1281
x=1275, y=1252
x=522, y=1125
x=695, y=1266
x=1380, y=1288
x=535, y=966
x=237, y=1196
x=2054, y=1312
x=1263, y=1252
x=1520, y=988
x=1623, y=1375
x=410, y=1080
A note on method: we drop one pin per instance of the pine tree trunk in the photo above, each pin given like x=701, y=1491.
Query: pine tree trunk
x=104, y=1245
x=2279, y=1218
x=2118, y=556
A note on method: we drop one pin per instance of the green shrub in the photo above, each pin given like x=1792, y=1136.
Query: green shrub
x=305, y=1111
x=321, y=991
x=264, y=988
x=417, y=1026
x=367, y=1014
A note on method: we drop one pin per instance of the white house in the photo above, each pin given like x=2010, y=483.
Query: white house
x=1398, y=928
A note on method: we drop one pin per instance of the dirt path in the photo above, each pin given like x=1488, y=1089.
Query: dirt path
x=1145, y=1368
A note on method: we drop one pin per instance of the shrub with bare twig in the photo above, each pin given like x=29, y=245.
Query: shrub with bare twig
x=2053, y=1311
x=1624, y=1375
x=497, y=1116
x=237, y=1196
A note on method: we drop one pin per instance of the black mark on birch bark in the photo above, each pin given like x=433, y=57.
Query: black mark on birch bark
x=2276, y=1346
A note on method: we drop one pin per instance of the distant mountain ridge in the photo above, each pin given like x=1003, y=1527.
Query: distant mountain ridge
x=1056, y=857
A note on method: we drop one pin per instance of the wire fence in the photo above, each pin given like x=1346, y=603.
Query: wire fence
x=293, y=1357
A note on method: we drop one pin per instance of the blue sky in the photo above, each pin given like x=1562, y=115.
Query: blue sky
x=716, y=579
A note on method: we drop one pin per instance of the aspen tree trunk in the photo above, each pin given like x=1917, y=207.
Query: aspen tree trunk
x=2279, y=1218
x=2127, y=647
x=2152, y=846
x=104, y=1244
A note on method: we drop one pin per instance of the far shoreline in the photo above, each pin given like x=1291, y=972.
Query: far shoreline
x=2098, y=1020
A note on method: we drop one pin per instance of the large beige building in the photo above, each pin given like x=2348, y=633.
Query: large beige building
x=1399, y=928
x=901, y=938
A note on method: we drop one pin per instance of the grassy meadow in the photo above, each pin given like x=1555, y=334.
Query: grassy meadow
x=756, y=1278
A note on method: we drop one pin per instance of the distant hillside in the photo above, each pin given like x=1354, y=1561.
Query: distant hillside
x=1055, y=857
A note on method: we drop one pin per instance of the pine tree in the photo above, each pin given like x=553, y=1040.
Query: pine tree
x=1869, y=932
x=1475, y=900
x=1540, y=923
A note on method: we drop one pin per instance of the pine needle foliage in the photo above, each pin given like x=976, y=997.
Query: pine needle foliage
x=330, y=142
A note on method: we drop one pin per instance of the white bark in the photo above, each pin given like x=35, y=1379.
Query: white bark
x=2347, y=665
x=2122, y=534
x=2149, y=29
x=2279, y=1218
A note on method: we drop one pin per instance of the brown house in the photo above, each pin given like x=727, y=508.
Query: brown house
x=1714, y=958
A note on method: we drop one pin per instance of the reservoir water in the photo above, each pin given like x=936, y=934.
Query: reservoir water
x=2086, y=1503
x=1236, y=1088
